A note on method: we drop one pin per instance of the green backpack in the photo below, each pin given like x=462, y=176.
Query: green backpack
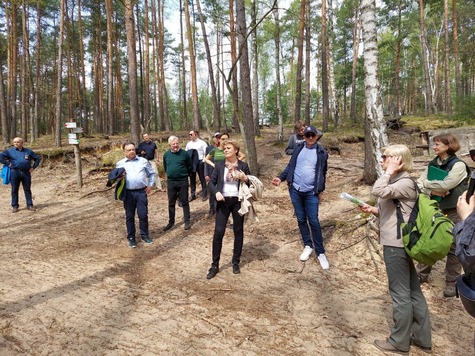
x=427, y=235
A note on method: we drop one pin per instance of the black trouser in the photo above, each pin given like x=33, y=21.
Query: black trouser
x=200, y=169
x=136, y=200
x=224, y=208
x=178, y=189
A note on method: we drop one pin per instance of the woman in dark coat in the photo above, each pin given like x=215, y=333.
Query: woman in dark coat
x=224, y=184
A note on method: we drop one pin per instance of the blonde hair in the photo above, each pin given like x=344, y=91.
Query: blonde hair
x=234, y=143
x=402, y=151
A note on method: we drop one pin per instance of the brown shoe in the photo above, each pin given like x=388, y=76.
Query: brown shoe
x=14, y=210
x=426, y=349
x=385, y=346
x=30, y=208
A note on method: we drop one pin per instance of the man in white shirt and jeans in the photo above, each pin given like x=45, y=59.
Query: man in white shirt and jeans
x=200, y=146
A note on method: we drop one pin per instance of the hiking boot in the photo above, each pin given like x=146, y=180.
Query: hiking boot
x=449, y=291
x=132, y=243
x=307, y=251
x=168, y=227
x=323, y=261
x=147, y=240
x=31, y=208
x=385, y=346
x=187, y=226
x=14, y=210
x=213, y=271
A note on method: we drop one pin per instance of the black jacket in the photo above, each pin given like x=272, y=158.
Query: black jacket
x=217, y=178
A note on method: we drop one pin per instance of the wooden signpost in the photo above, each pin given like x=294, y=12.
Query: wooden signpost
x=74, y=140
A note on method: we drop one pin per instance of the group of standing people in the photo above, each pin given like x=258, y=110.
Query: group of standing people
x=410, y=311
x=221, y=166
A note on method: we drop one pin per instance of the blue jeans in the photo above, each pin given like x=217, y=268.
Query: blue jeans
x=23, y=177
x=306, y=211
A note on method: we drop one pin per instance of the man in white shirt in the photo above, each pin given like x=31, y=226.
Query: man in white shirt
x=197, y=157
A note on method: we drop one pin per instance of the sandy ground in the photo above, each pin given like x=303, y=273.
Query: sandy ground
x=71, y=286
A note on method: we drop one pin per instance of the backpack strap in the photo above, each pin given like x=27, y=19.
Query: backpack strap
x=414, y=211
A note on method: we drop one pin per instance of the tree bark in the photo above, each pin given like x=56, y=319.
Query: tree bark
x=57, y=128
x=280, y=133
x=132, y=72
x=194, y=86
x=325, y=99
x=298, y=74
x=246, y=92
x=375, y=132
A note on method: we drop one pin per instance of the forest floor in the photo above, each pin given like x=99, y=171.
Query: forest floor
x=71, y=286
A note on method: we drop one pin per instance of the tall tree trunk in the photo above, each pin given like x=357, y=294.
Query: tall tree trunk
x=146, y=80
x=298, y=74
x=36, y=116
x=25, y=73
x=83, y=97
x=335, y=109
x=246, y=92
x=280, y=133
x=430, y=108
x=397, y=64
x=375, y=133
x=325, y=99
x=12, y=65
x=132, y=72
x=235, y=88
x=110, y=69
x=214, y=96
x=194, y=86
x=447, y=101
x=458, y=88
x=255, y=68
x=356, y=44
x=307, y=64
x=184, y=113
x=57, y=128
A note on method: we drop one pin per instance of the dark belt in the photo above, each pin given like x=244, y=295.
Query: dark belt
x=137, y=190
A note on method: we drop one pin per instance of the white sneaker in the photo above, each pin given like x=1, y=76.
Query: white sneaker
x=307, y=251
x=323, y=261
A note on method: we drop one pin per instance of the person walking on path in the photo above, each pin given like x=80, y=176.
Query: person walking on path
x=196, y=143
x=139, y=179
x=446, y=191
x=225, y=185
x=149, y=150
x=22, y=161
x=410, y=312
x=306, y=175
x=177, y=165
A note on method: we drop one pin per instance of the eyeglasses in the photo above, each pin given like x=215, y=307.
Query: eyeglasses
x=310, y=135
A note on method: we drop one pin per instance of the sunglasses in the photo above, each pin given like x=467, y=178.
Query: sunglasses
x=309, y=135
x=384, y=157
x=190, y=134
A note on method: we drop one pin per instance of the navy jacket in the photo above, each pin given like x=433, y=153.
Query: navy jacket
x=320, y=169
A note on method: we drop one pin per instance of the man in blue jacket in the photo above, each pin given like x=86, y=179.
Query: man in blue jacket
x=305, y=175
x=22, y=161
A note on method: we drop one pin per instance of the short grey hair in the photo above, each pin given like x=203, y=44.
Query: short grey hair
x=172, y=138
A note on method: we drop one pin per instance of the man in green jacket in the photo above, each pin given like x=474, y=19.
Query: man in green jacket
x=177, y=165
